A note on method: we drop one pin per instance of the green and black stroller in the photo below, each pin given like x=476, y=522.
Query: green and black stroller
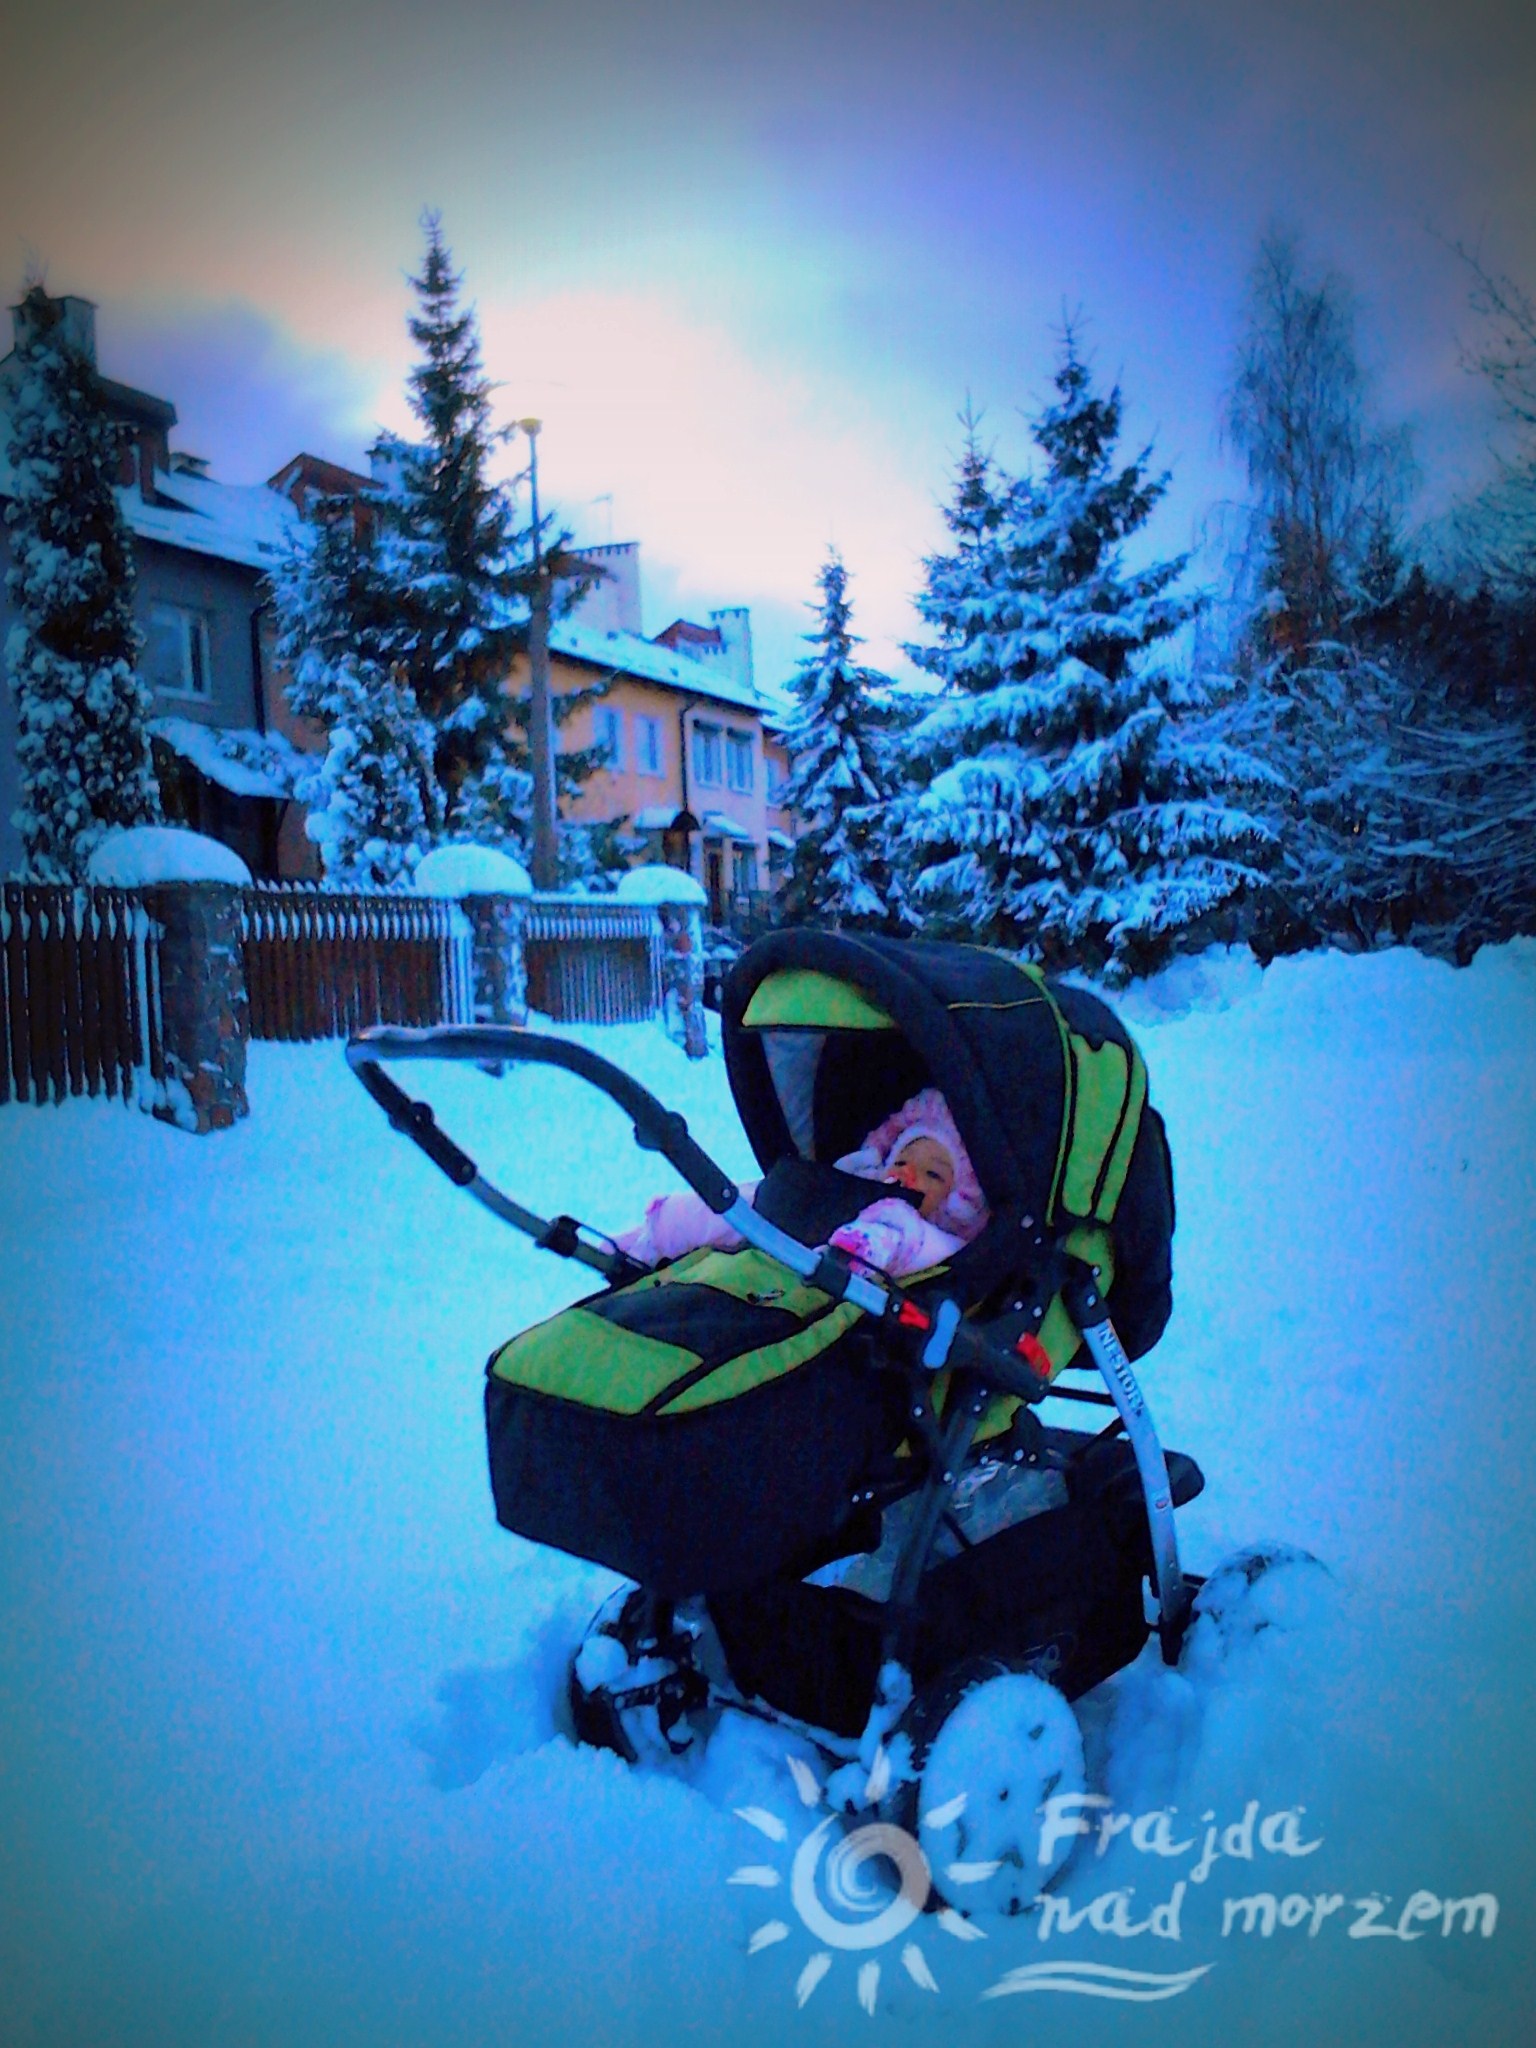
x=737, y=1431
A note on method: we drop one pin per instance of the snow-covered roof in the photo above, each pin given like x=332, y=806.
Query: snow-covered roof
x=631, y=655
x=247, y=523
x=655, y=817
x=245, y=763
x=719, y=825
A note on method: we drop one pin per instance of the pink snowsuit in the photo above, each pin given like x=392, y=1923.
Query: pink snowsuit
x=889, y=1235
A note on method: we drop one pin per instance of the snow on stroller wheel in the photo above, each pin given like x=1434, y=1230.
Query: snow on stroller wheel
x=633, y=1685
x=990, y=1744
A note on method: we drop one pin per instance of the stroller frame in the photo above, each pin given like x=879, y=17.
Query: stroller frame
x=921, y=1340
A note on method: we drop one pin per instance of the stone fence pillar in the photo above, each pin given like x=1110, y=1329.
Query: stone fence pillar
x=500, y=963
x=205, y=1019
x=682, y=977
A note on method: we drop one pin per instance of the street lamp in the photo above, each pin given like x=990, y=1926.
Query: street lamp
x=541, y=724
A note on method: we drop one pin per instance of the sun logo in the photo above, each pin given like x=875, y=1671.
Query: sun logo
x=841, y=1885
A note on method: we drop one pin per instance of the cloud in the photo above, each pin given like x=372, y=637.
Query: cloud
x=735, y=469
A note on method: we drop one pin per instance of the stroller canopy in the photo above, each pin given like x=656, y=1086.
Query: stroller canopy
x=826, y=1033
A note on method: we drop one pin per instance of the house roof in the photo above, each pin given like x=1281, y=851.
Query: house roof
x=245, y=523
x=630, y=654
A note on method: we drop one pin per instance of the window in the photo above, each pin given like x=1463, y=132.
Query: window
x=706, y=753
x=746, y=870
x=738, y=760
x=608, y=733
x=647, y=744
x=176, y=651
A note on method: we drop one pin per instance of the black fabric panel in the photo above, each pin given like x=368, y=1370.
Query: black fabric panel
x=1060, y=1593
x=719, y=1498
x=810, y=1201
x=862, y=1078
x=998, y=1058
x=811, y=1651
x=1141, y=1300
x=701, y=1319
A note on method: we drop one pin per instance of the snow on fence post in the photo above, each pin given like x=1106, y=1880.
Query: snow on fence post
x=204, y=1009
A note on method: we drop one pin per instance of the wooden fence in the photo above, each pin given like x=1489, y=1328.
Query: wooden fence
x=79, y=994
x=592, y=962
x=80, y=975
x=325, y=964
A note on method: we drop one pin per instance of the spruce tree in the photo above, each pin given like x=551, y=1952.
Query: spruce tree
x=1069, y=812
x=838, y=778
x=82, y=746
x=370, y=794
x=429, y=589
x=448, y=548
x=373, y=798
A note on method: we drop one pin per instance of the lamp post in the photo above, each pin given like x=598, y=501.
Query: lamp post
x=541, y=724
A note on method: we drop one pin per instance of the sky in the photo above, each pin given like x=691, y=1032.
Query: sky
x=749, y=262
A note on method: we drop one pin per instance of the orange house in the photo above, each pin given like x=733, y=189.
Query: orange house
x=690, y=765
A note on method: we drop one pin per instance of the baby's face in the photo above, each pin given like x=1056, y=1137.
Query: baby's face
x=926, y=1168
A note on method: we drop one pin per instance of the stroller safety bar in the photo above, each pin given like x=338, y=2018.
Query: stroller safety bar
x=943, y=1339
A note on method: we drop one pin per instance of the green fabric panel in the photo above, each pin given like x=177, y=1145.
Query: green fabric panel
x=577, y=1356
x=1119, y=1163
x=749, y=1275
x=1058, y=1333
x=803, y=996
x=757, y=1368
x=1102, y=1079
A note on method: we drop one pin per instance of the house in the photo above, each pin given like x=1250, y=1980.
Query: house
x=223, y=751
x=692, y=761
x=690, y=758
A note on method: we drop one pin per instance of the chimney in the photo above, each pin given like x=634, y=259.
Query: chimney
x=77, y=318
x=734, y=625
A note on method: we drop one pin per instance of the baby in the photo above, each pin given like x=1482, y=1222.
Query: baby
x=918, y=1148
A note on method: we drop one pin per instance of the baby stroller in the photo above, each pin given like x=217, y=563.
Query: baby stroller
x=724, y=1430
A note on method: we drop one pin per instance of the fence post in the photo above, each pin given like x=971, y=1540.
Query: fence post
x=203, y=1003
x=682, y=977
x=499, y=964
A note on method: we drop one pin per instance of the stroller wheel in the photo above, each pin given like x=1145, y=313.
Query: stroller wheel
x=990, y=1745
x=634, y=1686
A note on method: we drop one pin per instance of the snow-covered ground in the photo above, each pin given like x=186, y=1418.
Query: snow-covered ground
x=280, y=1764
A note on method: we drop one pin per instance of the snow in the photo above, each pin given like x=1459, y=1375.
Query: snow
x=460, y=871
x=208, y=748
x=139, y=855
x=658, y=883
x=629, y=654
x=285, y=1764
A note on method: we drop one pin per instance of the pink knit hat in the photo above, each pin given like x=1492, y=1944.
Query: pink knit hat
x=927, y=1115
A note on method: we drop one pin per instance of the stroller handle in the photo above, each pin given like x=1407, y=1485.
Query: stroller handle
x=657, y=1129
x=946, y=1338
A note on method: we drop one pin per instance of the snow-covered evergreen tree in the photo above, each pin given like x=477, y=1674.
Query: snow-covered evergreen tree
x=426, y=585
x=1072, y=810
x=448, y=545
x=370, y=796
x=81, y=707
x=373, y=798
x=837, y=781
